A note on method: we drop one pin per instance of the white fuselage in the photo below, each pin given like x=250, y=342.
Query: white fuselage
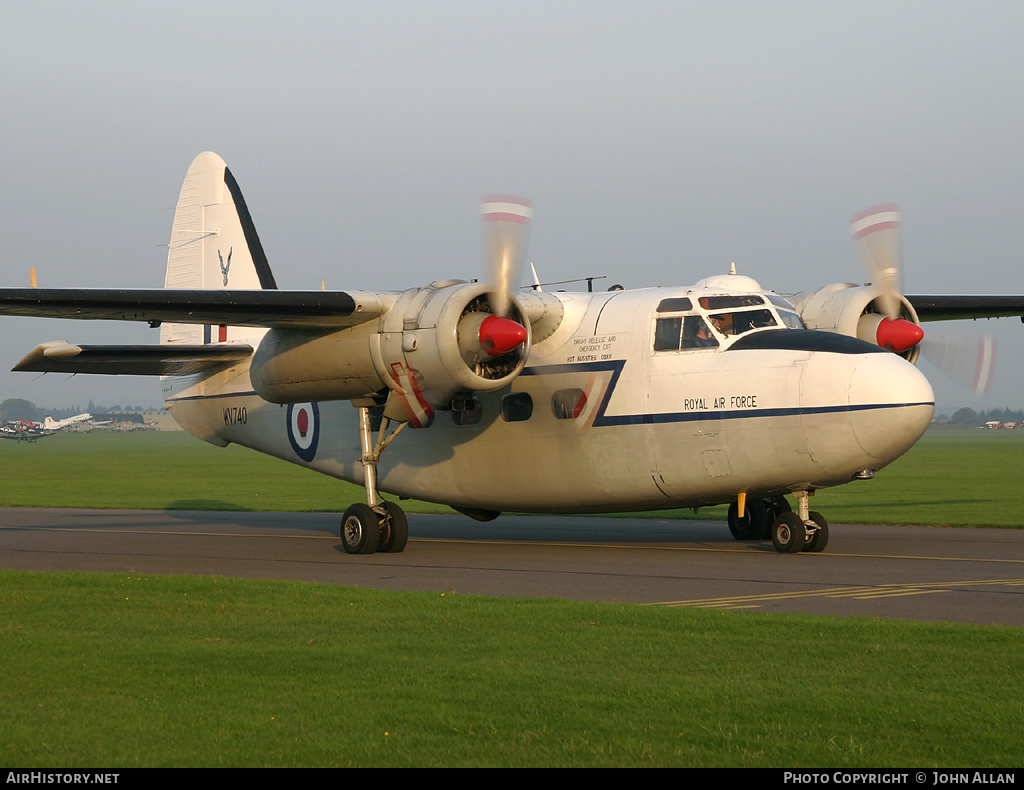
x=604, y=417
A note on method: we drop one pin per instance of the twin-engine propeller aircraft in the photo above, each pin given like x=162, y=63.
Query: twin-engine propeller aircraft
x=26, y=431
x=487, y=398
x=23, y=431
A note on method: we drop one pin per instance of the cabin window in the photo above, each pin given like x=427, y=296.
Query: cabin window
x=516, y=407
x=466, y=411
x=568, y=404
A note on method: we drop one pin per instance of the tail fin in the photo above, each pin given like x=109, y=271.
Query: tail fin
x=214, y=244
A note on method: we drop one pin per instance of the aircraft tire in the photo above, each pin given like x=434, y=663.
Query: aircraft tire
x=789, y=535
x=754, y=522
x=819, y=540
x=776, y=504
x=360, y=531
x=394, y=530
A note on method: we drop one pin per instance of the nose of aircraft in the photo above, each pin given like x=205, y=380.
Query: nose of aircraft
x=891, y=405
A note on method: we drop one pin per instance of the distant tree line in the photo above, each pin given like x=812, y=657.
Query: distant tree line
x=16, y=409
x=967, y=416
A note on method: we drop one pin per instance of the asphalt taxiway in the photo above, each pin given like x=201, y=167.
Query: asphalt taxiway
x=916, y=573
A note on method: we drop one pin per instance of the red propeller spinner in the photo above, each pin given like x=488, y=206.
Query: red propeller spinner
x=499, y=336
x=898, y=335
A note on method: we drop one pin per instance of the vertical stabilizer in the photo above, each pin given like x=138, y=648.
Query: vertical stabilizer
x=214, y=244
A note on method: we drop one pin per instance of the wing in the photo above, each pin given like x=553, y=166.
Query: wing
x=952, y=308
x=142, y=360
x=257, y=308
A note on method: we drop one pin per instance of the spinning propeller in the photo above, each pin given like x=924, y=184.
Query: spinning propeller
x=877, y=230
x=968, y=362
x=506, y=222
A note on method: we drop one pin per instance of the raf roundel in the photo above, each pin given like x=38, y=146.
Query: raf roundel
x=304, y=429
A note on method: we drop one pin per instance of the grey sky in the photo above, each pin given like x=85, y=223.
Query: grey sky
x=659, y=141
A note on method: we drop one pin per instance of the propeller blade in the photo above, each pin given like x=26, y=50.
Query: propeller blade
x=506, y=221
x=877, y=230
x=967, y=361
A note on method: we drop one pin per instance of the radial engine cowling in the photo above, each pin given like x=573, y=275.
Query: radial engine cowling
x=853, y=310
x=435, y=343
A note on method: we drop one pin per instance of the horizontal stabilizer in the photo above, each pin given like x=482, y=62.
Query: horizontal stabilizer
x=326, y=309
x=163, y=360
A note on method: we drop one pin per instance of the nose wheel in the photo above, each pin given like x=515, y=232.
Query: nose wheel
x=804, y=530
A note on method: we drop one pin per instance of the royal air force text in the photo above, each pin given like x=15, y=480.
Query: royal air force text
x=732, y=403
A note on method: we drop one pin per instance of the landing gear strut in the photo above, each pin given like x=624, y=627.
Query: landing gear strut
x=376, y=525
x=805, y=530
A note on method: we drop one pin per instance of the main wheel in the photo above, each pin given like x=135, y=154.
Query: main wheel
x=394, y=529
x=788, y=533
x=819, y=540
x=753, y=523
x=360, y=531
x=774, y=504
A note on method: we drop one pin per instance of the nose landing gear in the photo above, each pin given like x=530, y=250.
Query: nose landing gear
x=772, y=517
x=805, y=530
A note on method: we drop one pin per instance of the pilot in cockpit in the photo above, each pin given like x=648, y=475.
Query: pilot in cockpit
x=696, y=333
x=723, y=322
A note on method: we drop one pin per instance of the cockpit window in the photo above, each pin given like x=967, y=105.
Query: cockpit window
x=696, y=333
x=792, y=320
x=667, y=332
x=676, y=305
x=778, y=301
x=742, y=321
x=684, y=332
x=725, y=302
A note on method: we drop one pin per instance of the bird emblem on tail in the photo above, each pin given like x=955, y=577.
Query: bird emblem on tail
x=224, y=267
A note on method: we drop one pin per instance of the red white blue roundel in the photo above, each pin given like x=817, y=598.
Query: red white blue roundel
x=304, y=429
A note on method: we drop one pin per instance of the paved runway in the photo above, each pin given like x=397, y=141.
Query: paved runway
x=918, y=573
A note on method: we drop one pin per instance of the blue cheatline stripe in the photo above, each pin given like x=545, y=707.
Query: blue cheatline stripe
x=615, y=367
x=745, y=414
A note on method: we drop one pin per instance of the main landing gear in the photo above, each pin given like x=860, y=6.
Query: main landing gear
x=376, y=525
x=772, y=517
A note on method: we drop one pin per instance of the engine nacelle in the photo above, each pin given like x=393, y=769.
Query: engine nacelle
x=851, y=310
x=425, y=349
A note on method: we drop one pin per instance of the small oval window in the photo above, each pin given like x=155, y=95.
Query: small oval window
x=516, y=407
x=568, y=404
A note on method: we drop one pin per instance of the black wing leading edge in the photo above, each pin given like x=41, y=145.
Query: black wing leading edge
x=958, y=307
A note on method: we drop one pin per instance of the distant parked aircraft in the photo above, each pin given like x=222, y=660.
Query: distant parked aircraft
x=51, y=424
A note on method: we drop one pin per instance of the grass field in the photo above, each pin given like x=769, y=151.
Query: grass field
x=962, y=478
x=109, y=671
